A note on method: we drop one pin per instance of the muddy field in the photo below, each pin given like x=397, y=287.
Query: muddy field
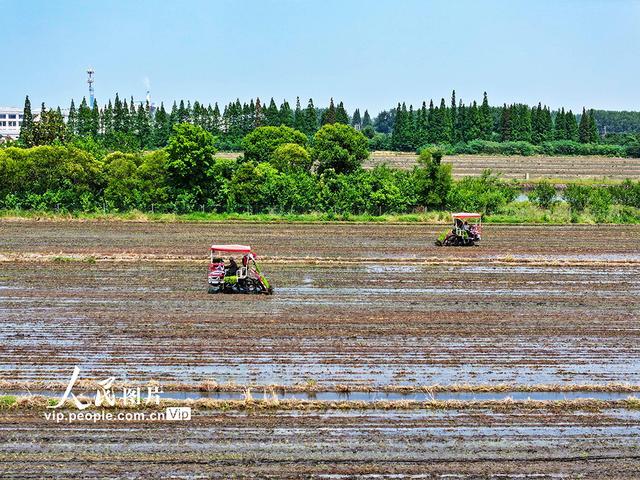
x=356, y=308
x=521, y=167
x=515, y=166
x=330, y=444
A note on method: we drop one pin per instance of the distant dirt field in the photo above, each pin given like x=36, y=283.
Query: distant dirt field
x=517, y=166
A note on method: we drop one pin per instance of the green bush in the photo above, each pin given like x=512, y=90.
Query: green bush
x=476, y=147
x=627, y=193
x=432, y=181
x=379, y=141
x=486, y=194
x=50, y=177
x=600, y=201
x=543, y=195
x=577, y=196
x=633, y=150
x=568, y=147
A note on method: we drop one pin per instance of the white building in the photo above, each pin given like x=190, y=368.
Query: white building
x=10, y=122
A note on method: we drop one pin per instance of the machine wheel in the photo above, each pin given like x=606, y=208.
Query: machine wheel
x=213, y=289
x=255, y=287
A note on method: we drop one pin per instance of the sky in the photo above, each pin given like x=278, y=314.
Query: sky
x=368, y=54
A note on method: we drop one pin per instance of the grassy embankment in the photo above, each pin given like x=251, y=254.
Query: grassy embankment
x=514, y=213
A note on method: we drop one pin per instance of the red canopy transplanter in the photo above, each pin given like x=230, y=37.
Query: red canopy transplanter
x=231, y=248
x=466, y=215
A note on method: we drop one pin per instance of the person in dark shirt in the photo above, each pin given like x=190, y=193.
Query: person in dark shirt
x=233, y=267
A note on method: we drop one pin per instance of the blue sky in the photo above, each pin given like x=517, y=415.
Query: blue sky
x=370, y=54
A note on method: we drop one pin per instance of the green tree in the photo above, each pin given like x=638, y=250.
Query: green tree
x=560, y=126
x=329, y=115
x=545, y=125
x=521, y=123
x=505, y=123
x=577, y=196
x=543, y=194
x=440, y=124
x=421, y=134
x=341, y=114
x=403, y=130
x=94, y=123
x=85, y=119
x=366, y=119
x=50, y=176
x=310, y=119
x=600, y=201
x=121, y=190
x=258, y=114
x=260, y=144
x=72, y=120
x=106, y=120
x=298, y=116
x=190, y=154
x=356, y=120
x=461, y=123
x=26, y=129
x=571, y=126
x=485, y=119
x=432, y=180
x=584, y=132
x=50, y=129
x=486, y=194
x=291, y=157
x=593, y=128
x=143, y=126
x=286, y=114
x=339, y=147
x=161, y=128
x=473, y=125
x=453, y=109
x=119, y=116
x=271, y=114
x=214, y=119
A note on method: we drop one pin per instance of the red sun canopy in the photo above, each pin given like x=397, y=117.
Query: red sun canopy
x=466, y=215
x=231, y=248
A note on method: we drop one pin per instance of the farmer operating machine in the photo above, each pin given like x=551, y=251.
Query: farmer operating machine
x=466, y=231
x=231, y=277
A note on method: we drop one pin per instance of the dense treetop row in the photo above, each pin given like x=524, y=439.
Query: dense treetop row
x=130, y=126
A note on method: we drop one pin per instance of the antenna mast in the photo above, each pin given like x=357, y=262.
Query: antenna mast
x=90, y=81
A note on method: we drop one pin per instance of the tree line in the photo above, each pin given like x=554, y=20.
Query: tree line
x=460, y=123
x=282, y=171
x=127, y=125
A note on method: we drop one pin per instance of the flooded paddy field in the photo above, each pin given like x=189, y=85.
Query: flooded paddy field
x=473, y=443
x=369, y=325
x=360, y=312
